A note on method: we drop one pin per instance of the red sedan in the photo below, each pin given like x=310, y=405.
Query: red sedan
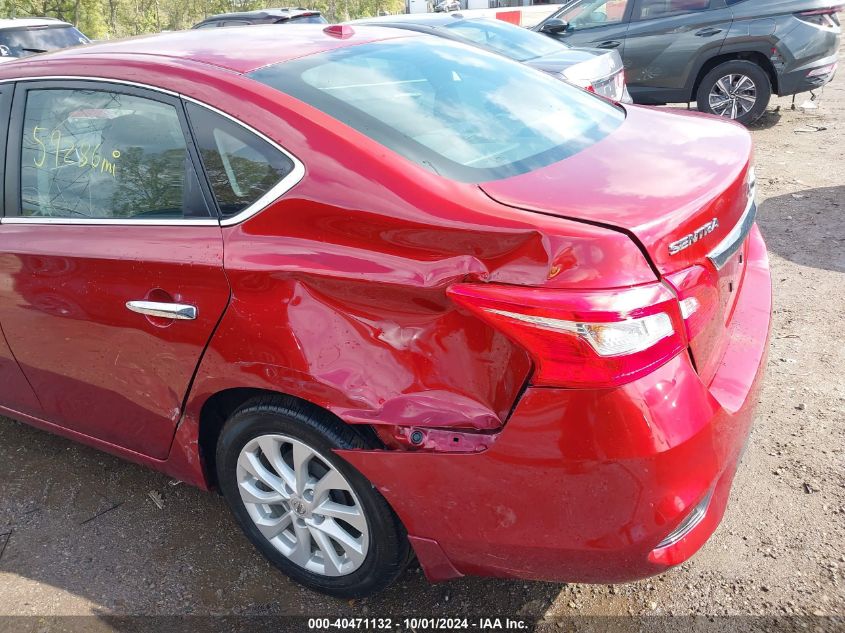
x=389, y=294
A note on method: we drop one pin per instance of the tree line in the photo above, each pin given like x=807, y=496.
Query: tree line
x=110, y=19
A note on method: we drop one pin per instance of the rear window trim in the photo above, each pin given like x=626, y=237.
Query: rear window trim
x=278, y=190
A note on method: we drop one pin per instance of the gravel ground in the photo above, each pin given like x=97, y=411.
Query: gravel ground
x=80, y=533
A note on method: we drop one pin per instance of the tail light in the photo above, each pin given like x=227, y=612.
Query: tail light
x=698, y=293
x=823, y=71
x=583, y=338
x=821, y=17
x=619, y=86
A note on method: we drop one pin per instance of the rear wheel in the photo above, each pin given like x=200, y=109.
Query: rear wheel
x=307, y=510
x=738, y=90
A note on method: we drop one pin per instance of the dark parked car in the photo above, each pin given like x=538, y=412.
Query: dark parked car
x=264, y=16
x=28, y=36
x=598, y=71
x=727, y=55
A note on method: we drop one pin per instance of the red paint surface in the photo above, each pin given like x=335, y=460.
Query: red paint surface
x=660, y=187
x=98, y=368
x=514, y=17
x=337, y=294
x=582, y=485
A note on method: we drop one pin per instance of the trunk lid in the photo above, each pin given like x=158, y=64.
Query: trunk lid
x=675, y=182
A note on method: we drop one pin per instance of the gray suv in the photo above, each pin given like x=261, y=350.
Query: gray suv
x=729, y=56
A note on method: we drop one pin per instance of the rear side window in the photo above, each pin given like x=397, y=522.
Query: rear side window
x=650, y=9
x=241, y=167
x=311, y=18
x=92, y=154
x=458, y=111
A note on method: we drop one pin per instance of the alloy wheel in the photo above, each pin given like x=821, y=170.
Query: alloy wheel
x=302, y=505
x=733, y=96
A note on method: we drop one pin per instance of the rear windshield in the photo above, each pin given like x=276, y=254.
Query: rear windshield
x=504, y=38
x=458, y=111
x=308, y=18
x=39, y=39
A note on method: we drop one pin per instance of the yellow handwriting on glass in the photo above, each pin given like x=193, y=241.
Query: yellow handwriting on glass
x=83, y=156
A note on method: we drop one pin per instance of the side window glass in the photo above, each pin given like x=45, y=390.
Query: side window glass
x=241, y=166
x=650, y=9
x=594, y=13
x=91, y=154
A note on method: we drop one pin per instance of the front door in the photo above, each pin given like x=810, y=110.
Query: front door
x=596, y=23
x=111, y=278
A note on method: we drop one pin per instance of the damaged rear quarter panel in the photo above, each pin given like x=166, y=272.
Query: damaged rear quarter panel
x=339, y=288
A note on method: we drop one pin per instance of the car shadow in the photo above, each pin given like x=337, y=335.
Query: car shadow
x=769, y=119
x=116, y=539
x=807, y=227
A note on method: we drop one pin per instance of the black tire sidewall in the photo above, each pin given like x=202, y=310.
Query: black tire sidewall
x=386, y=538
x=750, y=69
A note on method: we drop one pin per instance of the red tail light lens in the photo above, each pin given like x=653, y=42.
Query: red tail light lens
x=583, y=338
x=699, y=296
x=827, y=11
x=821, y=17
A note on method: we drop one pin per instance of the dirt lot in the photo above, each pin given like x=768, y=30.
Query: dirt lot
x=82, y=535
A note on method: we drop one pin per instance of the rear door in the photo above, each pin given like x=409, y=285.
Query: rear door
x=17, y=394
x=596, y=23
x=666, y=41
x=111, y=258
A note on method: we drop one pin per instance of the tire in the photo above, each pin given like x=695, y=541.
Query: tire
x=742, y=79
x=269, y=433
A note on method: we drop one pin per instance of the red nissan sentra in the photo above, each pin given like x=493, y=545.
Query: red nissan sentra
x=389, y=294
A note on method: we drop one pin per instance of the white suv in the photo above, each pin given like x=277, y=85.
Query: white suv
x=28, y=36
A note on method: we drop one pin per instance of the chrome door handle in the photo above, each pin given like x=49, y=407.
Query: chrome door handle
x=708, y=32
x=163, y=310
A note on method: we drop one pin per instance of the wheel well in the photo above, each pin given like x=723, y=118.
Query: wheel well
x=752, y=56
x=220, y=407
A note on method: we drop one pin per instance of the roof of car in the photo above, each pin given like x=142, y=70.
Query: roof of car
x=263, y=14
x=241, y=49
x=23, y=23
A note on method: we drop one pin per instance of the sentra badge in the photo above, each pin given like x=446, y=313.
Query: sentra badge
x=692, y=238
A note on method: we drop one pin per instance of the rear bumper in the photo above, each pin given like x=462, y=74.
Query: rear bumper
x=582, y=485
x=799, y=79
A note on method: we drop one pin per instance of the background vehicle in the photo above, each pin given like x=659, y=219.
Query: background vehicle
x=264, y=16
x=447, y=5
x=729, y=56
x=462, y=306
x=598, y=71
x=29, y=36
